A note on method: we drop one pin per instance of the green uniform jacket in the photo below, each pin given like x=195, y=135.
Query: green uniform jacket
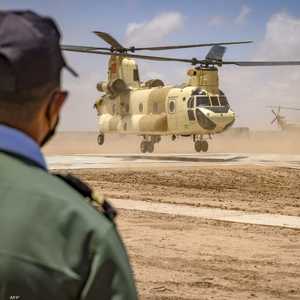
x=53, y=244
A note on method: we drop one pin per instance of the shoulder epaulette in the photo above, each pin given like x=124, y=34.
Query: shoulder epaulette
x=97, y=201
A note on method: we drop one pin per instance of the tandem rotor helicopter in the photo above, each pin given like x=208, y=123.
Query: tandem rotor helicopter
x=282, y=123
x=150, y=109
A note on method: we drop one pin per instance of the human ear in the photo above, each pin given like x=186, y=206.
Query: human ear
x=55, y=105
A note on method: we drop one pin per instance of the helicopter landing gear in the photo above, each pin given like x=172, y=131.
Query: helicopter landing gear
x=100, y=139
x=200, y=144
x=155, y=139
x=204, y=146
x=147, y=146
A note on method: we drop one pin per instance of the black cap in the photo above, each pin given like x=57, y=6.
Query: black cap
x=30, y=53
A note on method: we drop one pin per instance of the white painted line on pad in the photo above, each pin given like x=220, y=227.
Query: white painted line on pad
x=210, y=213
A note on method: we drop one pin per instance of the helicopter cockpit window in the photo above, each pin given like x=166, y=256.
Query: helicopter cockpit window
x=190, y=103
x=223, y=101
x=141, y=107
x=202, y=101
x=190, y=109
x=214, y=101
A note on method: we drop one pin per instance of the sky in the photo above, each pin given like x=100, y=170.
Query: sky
x=273, y=25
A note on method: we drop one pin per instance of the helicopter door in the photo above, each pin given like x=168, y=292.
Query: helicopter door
x=172, y=122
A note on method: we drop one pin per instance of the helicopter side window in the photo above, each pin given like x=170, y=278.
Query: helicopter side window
x=214, y=101
x=223, y=101
x=141, y=107
x=172, y=107
x=202, y=101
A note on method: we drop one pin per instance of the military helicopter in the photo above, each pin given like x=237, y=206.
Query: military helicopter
x=281, y=120
x=197, y=108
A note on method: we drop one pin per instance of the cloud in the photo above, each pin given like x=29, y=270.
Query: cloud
x=251, y=89
x=216, y=21
x=155, y=30
x=243, y=15
x=282, y=37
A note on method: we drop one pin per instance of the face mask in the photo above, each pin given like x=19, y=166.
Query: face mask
x=50, y=134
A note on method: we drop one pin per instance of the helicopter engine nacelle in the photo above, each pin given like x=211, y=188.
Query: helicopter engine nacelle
x=114, y=88
x=102, y=86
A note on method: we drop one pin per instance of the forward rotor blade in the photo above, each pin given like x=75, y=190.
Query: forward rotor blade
x=289, y=108
x=216, y=53
x=193, y=61
x=186, y=46
x=261, y=63
x=82, y=48
x=148, y=57
x=109, y=39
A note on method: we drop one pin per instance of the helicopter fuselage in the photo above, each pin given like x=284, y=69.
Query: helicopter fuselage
x=165, y=110
x=151, y=110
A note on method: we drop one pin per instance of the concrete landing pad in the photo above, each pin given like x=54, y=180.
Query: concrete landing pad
x=174, y=160
x=210, y=213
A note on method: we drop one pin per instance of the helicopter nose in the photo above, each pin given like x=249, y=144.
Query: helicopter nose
x=224, y=121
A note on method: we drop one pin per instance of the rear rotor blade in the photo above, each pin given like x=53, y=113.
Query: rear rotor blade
x=216, y=53
x=186, y=46
x=109, y=39
x=261, y=63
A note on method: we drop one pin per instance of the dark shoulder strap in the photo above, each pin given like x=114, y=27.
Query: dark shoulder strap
x=101, y=205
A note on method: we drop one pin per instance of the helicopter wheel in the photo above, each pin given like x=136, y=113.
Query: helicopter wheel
x=204, y=146
x=155, y=139
x=144, y=146
x=150, y=147
x=198, y=146
x=100, y=139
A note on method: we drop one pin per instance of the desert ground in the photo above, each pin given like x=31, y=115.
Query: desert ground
x=186, y=257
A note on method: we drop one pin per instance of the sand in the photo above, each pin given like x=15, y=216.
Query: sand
x=177, y=257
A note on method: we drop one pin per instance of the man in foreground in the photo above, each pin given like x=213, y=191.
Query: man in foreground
x=53, y=243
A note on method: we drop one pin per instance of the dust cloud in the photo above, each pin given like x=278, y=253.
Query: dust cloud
x=257, y=142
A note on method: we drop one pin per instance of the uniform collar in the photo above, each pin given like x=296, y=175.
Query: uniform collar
x=16, y=142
